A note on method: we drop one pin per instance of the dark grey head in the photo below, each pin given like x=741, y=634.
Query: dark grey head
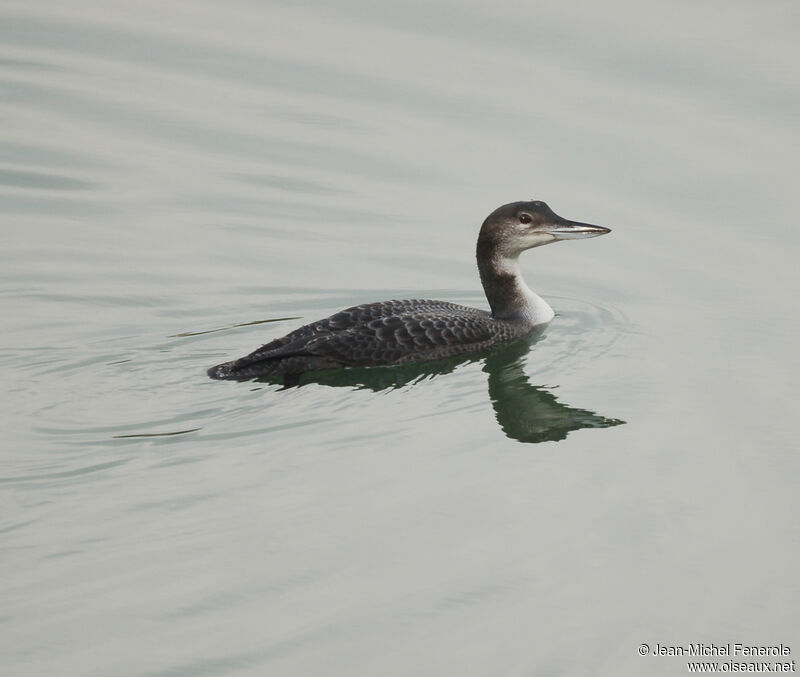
x=511, y=229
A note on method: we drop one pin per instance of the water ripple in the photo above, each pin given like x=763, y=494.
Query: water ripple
x=40, y=180
x=76, y=472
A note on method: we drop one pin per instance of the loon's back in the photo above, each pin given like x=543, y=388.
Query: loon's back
x=375, y=334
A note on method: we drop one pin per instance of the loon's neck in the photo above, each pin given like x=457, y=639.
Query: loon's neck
x=508, y=295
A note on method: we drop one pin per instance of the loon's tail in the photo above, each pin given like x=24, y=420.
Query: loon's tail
x=271, y=365
x=243, y=369
x=222, y=371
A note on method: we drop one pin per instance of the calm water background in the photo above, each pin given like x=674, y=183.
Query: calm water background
x=169, y=169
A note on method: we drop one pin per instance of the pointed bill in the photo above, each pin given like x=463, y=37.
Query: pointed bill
x=574, y=230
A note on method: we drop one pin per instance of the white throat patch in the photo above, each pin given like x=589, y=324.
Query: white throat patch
x=534, y=308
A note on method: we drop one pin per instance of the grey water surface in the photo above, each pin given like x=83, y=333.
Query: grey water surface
x=181, y=182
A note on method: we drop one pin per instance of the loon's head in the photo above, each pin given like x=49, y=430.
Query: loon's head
x=511, y=229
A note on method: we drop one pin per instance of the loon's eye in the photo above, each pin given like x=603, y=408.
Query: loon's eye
x=524, y=218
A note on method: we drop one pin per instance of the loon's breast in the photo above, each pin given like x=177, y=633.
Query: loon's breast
x=376, y=334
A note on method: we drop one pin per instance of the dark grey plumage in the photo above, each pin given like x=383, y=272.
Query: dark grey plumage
x=399, y=332
x=374, y=334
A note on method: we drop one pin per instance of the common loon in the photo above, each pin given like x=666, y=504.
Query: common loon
x=399, y=332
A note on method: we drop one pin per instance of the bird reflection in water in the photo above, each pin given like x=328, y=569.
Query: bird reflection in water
x=525, y=412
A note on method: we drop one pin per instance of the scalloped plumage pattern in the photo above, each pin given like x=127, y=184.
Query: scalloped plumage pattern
x=375, y=334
